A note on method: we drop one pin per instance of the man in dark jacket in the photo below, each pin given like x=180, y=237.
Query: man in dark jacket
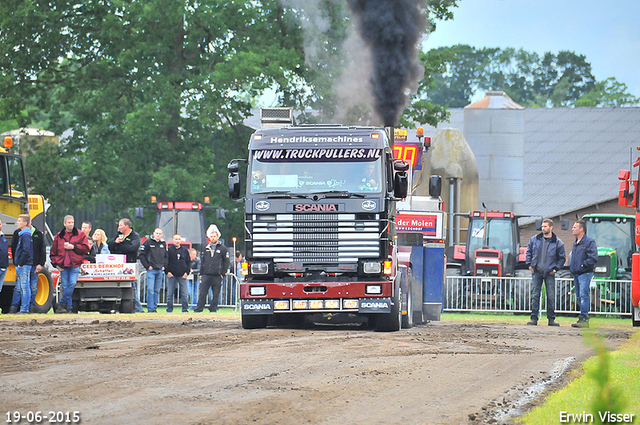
x=128, y=243
x=4, y=256
x=153, y=256
x=178, y=269
x=584, y=257
x=23, y=259
x=214, y=263
x=39, y=259
x=67, y=254
x=545, y=256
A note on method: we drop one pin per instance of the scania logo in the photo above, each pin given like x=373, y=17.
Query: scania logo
x=368, y=205
x=315, y=207
x=367, y=304
x=262, y=205
x=257, y=307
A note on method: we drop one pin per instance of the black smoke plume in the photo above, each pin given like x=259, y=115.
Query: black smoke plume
x=392, y=29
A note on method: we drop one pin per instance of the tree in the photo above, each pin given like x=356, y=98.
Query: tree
x=157, y=91
x=562, y=79
x=609, y=92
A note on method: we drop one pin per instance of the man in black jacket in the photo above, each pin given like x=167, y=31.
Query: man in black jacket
x=128, y=243
x=214, y=264
x=178, y=268
x=153, y=256
x=39, y=259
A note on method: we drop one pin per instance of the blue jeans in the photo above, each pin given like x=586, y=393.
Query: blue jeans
x=3, y=273
x=154, y=283
x=184, y=293
x=33, y=283
x=536, y=289
x=193, y=290
x=22, y=282
x=581, y=282
x=68, y=280
x=137, y=306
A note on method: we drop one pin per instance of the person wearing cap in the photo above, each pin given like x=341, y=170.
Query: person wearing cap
x=214, y=263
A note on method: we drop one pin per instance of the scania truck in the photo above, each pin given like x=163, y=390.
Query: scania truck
x=319, y=223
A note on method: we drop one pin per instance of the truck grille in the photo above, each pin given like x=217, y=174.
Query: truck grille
x=316, y=238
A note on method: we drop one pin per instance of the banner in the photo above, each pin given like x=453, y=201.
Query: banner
x=317, y=155
x=107, y=271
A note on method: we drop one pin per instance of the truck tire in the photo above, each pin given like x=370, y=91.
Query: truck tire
x=635, y=316
x=44, y=296
x=407, y=319
x=253, y=321
x=391, y=322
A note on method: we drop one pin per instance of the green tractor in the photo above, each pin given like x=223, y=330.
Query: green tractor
x=614, y=236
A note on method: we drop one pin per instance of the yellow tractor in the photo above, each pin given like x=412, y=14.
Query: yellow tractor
x=15, y=200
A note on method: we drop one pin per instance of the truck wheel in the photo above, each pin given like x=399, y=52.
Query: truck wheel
x=635, y=316
x=253, y=321
x=392, y=321
x=44, y=296
x=126, y=306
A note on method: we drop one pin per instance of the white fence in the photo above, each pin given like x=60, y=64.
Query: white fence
x=513, y=294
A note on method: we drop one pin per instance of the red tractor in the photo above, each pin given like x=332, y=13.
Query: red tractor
x=631, y=200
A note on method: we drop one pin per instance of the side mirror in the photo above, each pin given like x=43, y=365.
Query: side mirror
x=234, y=180
x=435, y=186
x=401, y=184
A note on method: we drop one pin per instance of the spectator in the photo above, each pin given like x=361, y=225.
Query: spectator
x=67, y=254
x=195, y=275
x=4, y=255
x=86, y=228
x=584, y=257
x=99, y=245
x=128, y=243
x=39, y=259
x=23, y=260
x=238, y=266
x=153, y=256
x=214, y=263
x=178, y=269
x=545, y=256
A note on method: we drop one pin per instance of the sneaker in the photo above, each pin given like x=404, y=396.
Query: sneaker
x=533, y=322
x=552, y=322
x=60, y=309
x=581, y=323
x=13, y=309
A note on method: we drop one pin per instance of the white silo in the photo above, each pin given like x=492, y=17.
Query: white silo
x=494, y=129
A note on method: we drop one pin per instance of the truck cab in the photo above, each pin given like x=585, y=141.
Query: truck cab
x=319, y=224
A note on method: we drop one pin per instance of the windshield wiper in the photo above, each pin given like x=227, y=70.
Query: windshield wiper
x=339, y=194
x=281, y=194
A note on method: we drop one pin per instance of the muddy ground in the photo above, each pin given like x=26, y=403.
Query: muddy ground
x=202, y=370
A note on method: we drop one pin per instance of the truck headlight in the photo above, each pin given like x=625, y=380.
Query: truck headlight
x=373, y=289
x=371, y=267
x=257, y=291
x=259, y=268
x=601, y=269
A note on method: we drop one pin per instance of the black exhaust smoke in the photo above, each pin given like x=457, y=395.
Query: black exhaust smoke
x=392, y=30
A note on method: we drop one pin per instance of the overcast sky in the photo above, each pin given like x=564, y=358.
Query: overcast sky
x=607, y=33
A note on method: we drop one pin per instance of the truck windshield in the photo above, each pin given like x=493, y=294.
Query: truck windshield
x=187, y=223
x=302, y=177
x=12, y=182
x=614, y=235
x=499, y=235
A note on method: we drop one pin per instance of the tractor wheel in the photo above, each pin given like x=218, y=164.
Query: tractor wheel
x=44, y=296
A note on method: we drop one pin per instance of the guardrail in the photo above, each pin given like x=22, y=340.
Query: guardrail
x=513, y=294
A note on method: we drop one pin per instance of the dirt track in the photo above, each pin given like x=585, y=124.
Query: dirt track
x=205, y=371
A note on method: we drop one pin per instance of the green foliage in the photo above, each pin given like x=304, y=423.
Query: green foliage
x=551, y=80
x=607, y=396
